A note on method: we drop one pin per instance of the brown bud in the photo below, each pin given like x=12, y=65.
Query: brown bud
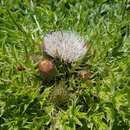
x=47, y=68
x=85, y=74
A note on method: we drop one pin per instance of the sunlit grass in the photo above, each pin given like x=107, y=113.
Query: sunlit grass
x=100, y=102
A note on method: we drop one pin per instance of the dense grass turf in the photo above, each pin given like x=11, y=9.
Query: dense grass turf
x=101, y=102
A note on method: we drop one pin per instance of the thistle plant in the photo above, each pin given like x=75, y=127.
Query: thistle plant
x=66, y=46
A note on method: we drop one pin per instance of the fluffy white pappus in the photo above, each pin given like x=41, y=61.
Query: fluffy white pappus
x=67, y=46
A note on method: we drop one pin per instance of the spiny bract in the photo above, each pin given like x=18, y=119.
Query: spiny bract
x=67, y=46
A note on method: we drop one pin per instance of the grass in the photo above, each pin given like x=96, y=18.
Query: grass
x=98, y=103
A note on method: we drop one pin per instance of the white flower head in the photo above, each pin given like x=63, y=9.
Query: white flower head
x=67, y=46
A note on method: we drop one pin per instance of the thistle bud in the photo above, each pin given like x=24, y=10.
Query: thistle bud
x=47, y=69
x=59, y=95
x=85, y=74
